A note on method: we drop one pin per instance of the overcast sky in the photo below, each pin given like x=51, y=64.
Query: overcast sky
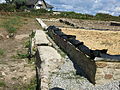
x=86, y=6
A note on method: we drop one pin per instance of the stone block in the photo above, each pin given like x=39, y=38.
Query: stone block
x=44, y=26
x=41, y=38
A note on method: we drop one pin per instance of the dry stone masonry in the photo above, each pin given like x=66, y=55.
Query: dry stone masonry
x=88, y=60
x=97, y=66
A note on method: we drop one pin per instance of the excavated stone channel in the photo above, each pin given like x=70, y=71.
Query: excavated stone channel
x=60, y=73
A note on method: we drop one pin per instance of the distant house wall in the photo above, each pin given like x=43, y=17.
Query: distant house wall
x=40, y=4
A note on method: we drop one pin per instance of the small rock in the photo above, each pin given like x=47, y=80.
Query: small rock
x=3, y=73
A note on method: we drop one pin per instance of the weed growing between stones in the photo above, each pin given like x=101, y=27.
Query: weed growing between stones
x=2, y=84
x=31, y=86
x=1, y=52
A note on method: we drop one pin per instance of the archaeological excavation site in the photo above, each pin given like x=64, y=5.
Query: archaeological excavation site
x=69, y=58
x=44, y=49
x=60, y=54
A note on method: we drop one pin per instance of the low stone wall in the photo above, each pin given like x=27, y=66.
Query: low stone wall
x=113, y=23
x=74, y=25
x=44, y=26
x=98, y=72
x=87, y=65
x=104, y=69
x=46, y=59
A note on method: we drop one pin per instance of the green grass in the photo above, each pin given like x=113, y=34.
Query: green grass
x=2, y=84
x=1, y=52
x=27, y=44
x=12, y=24
x=22, y=56
x=31, y=86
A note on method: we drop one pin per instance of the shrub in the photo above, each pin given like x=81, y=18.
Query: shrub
x=22, y=8
x=7, y=7
x=40, y=11
x=106, y=17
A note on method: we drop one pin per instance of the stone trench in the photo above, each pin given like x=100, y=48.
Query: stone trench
x=56, y=71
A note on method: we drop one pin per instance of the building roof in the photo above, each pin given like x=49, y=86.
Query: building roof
x=31, y=2
x=49, y=6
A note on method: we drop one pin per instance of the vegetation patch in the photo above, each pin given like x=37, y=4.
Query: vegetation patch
x=1, y=52
x=7, y=7
x=22, y=56
x=31, y=86
x=12, y=24
x=2, y=84
x=27, y=44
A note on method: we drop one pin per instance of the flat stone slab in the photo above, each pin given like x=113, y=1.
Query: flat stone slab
x=41, y=38
x=50, y=61
x=42, y=23
x=47, y=53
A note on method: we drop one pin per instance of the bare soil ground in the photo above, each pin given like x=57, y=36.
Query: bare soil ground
x=94, y=39
x=94, y=24
x=97, y=39
x=15, y=72
x=56, y=23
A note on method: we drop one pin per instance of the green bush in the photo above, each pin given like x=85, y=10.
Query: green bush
x=40, y=11
x=106, y=17
x=98, y=16
x=7, y=7
x=22, y=8
x=75, y=15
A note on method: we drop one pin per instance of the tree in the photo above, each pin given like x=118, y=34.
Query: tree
x=19, y=3
x=9, y=1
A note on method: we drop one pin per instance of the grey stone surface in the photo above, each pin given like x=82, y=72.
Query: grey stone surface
x=50, y=62
x=40, y=38
x=55, y=74
x=67, y=79
x=44, y=26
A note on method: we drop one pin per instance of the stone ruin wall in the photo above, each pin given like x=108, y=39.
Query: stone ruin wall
x=97, y=72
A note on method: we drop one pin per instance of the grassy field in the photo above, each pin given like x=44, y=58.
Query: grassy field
x=16, y=71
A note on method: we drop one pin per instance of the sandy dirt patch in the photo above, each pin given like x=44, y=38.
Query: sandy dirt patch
x=97, y=39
